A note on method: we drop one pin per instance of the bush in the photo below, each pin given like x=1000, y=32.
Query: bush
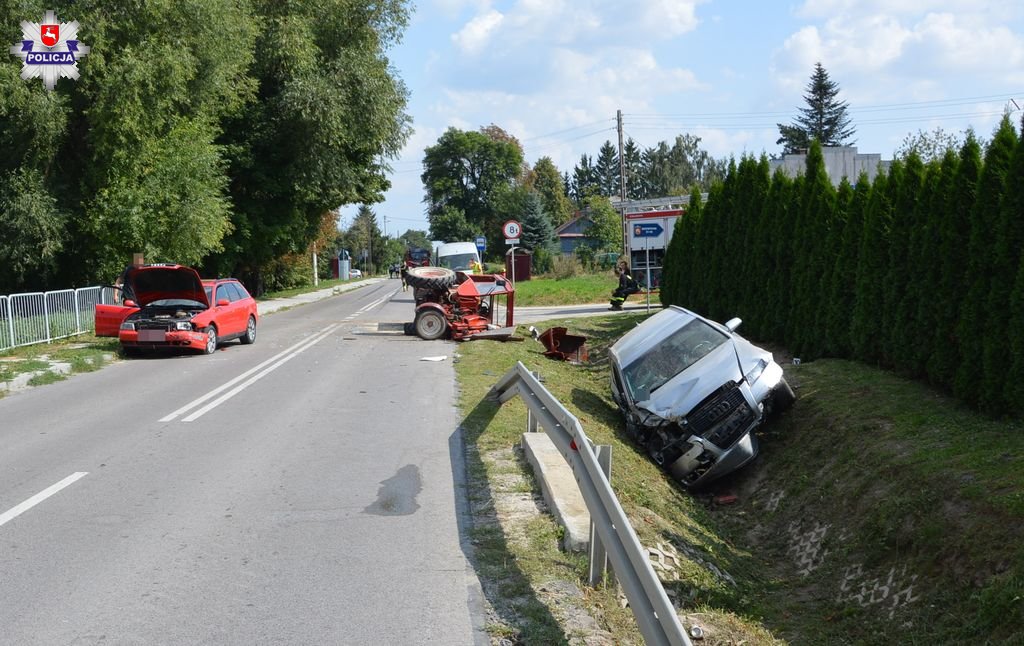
x=563, y=267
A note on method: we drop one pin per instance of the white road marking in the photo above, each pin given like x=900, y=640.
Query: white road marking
x=18, y=510
x=213, y=393
x=239, y=388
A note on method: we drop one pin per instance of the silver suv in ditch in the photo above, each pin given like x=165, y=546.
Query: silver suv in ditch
x=693, y=392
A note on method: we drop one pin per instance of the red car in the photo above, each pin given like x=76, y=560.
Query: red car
x=169, y=306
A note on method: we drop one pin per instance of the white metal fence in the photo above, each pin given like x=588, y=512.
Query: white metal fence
x=42, y=317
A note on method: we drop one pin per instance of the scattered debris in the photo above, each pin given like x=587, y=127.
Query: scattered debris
x=439, y=358
x=725, y=499
x=696, y=632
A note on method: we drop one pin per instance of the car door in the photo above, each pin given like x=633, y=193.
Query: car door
x=235, y=312
x=108, y=318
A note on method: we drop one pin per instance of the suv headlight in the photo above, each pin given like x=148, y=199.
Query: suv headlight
x=127, y=325
x=183, y=325
x=755, y=372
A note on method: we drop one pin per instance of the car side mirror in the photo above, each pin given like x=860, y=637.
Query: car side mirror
x=732, y=324
x=223, y=302
x=130, y=303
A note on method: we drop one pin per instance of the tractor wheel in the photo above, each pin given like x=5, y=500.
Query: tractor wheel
x=430, y=325
x=434, y=278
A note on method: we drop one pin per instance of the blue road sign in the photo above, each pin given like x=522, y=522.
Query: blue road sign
x=648, y=230
x=481, y=243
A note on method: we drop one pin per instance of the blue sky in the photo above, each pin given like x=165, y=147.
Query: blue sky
x=553, y=73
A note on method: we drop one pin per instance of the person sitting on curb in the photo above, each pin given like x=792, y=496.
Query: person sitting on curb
x=627, y=285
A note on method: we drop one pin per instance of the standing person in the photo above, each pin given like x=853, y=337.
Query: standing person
x=405, y=283
x=627, y=286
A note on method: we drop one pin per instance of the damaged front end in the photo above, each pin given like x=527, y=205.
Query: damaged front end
x=715, y=438
x=693, y=392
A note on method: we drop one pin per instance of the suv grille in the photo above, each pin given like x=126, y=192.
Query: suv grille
x=722, y=417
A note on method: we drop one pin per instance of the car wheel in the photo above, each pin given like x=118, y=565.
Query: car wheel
x=250, y=331
x=783, y=397
x=211, y=340
x=435, y=278
x=430, y=325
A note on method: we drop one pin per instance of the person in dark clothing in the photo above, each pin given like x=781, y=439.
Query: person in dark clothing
x=627, y=285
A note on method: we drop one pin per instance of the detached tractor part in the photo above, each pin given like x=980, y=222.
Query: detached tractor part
x=459, y=305
x=559, y=344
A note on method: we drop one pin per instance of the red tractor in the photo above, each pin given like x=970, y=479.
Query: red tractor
x=458, y=304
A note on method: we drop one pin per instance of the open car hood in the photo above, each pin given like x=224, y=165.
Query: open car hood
x=151, y=283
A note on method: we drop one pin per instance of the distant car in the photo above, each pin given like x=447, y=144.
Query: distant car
x=355, y=273
x=693, y=392
x=169, y=306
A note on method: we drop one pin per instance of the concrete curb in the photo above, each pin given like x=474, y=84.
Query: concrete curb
x=558, y=485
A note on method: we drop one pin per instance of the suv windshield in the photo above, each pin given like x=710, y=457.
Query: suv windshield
x=457, y=261
x=680, y=350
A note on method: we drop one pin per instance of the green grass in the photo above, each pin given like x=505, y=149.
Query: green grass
x=589, y=288
x=85, y=353
x=915, y=492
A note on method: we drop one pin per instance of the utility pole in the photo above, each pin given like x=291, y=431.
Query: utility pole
x=622, y=187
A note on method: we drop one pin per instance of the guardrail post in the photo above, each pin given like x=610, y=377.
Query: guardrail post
x=598, y=566
x=78, y=319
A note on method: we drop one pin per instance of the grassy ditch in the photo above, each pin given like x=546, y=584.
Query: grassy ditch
x=878, y=512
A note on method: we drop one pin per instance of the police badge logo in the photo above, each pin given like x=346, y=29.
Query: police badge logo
x=49, y=50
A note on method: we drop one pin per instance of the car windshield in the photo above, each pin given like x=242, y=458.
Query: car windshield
x=680, y=350
x=457, y=261
x=176, y=302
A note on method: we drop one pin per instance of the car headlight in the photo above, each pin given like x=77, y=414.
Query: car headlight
x=127, y=325
x=755, y=372
x=183, y=325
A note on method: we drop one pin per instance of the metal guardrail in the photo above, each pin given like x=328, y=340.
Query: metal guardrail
x=42, y=317
x=654, y=613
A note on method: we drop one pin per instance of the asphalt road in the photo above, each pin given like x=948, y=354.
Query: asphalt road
x=303, y=490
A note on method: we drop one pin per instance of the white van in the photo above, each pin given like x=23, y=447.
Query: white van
x=457, y=256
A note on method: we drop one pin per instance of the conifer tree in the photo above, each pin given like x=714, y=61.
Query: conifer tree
x=1013, y=386
x=773, y=221
x=906, y=196
x=842, y=283
x=872, y=263
x=1007, y=241
x=925, y=303
x=831, y=253
x=953, y=285
x=824, y=120
x=971, y=326
x=537, y=234
x=813, y=221
x=686, y=282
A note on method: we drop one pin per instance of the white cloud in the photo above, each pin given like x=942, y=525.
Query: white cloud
x=476, y=33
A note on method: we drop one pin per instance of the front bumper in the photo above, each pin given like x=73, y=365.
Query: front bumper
x=159, y=339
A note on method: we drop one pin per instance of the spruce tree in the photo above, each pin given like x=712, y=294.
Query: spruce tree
x=953, y=285
x=824, y=120
x=972, y=324
x=538, y=234
x=607, y=170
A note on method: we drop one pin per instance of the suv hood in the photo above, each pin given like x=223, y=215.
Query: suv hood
x=151, y=283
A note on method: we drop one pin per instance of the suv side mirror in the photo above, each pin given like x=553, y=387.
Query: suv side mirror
x=732, y=324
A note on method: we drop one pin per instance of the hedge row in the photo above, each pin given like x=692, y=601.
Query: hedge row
x=920, y=271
